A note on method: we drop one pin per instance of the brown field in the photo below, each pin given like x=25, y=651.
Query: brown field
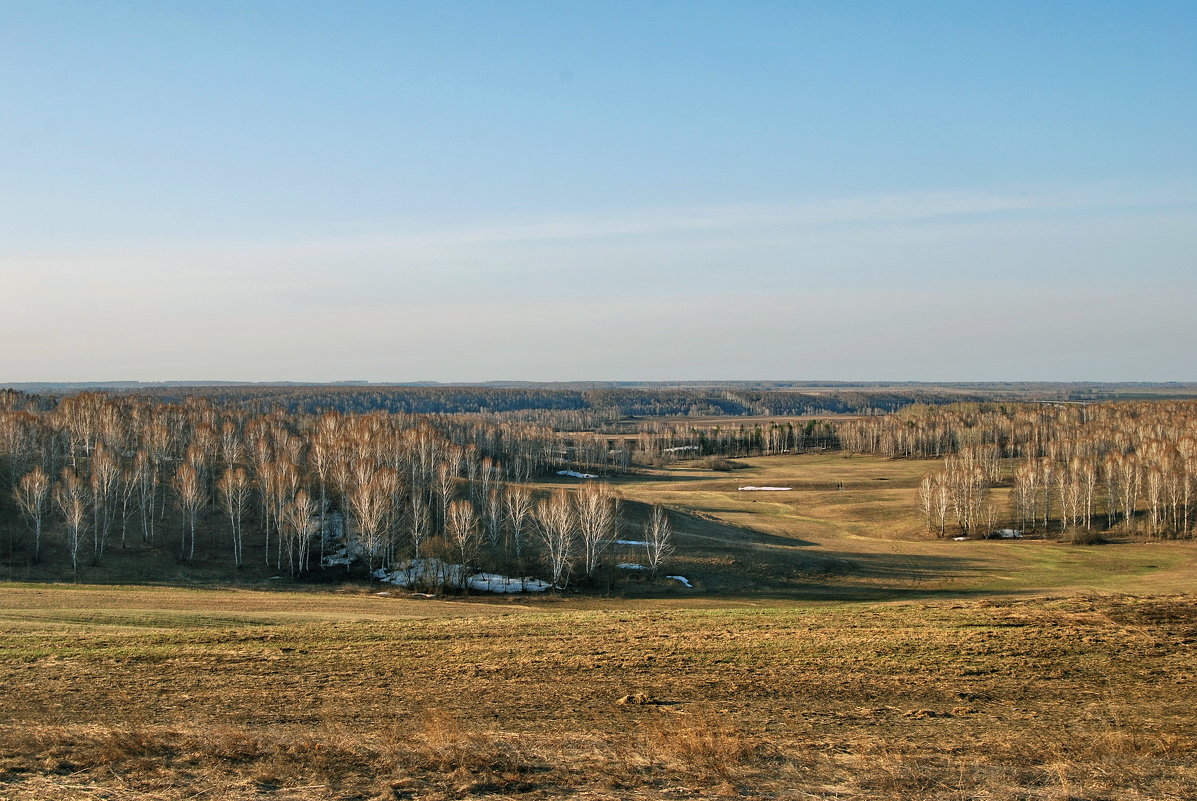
x=829, y=650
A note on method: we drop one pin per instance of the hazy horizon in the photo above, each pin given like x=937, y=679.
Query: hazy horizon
x=560, y=192
x=797, y=384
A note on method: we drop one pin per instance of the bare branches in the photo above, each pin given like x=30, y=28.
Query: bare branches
x=597, y=512
x=190, y=496
x=70, y=495
x=32, y=495
x=658, y=539
x=234, y=489
x=557, y=529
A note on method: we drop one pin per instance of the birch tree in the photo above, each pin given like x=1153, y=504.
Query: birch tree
x=597, y=513
x=70, y=495
x=658, y=539
x=32, y=494
x=189, y=493
x=557, y=528
x=463, y=532
x=299, y=523
x=518, y=503
x=233, y=488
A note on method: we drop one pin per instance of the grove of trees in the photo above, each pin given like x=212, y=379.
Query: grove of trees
x=299, y=491
x=1127, y=466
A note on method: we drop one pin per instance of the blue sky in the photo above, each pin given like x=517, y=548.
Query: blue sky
x=556, y=191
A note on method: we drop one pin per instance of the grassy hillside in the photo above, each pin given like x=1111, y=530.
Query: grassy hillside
x=133, y=692
x=849, y=529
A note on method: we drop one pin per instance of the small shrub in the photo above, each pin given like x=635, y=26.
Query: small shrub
x=1081, y=537
x=722, y=463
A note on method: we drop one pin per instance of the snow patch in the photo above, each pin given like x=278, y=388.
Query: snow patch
x=1006, y=534
x=631, y=542
x=492, y=582
x=685, y=581
x=960, y=539
x=631, y=566
x=339, y=557
x=575, y=474
x=437, y=573
x=765, y=489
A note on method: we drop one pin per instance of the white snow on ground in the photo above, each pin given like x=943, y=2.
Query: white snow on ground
x=685, y=581
x=575, y=474
x=437, y=573
x=340, y=557
x=630, y=542
x=681, y=448
x=765, y=489
x=631, y=566
x=492, y=582
x=1009, y=534
x=960, y=539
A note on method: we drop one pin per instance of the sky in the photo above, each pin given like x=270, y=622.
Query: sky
x=470, y=191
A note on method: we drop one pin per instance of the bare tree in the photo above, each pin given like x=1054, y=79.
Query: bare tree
x=1026, y=491
x=658, y=539
x=145, y=474
x=419, y=522
x=597, y=515
x=371, y=501
x=557, y=529
x=104, y=480
x=70, y=495
x=189, y=493
x=518, y=501
x=446, y=481
x=493, y=513
x=128, y=486
x=926, y=495
x=233, y=487
x=32, y=494
x=322, y=458
x=298, y=525
x=463, y=532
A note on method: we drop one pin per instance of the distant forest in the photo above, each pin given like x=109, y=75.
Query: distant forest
x=600, y=404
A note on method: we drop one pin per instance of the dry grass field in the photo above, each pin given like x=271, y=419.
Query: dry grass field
x=827, y=651
x=849, y=529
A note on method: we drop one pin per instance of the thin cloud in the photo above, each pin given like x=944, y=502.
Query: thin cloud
x=863, y=211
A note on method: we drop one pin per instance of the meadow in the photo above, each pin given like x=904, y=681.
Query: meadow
x=829, y=649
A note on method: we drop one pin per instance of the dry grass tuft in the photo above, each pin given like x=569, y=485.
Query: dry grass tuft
x=703, y=745
x=441, y=742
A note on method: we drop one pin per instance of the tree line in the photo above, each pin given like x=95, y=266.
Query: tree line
x=1128, y=466
x=592, y=407
x=298, y=491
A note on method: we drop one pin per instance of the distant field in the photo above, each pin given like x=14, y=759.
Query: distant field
x=849, y=529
